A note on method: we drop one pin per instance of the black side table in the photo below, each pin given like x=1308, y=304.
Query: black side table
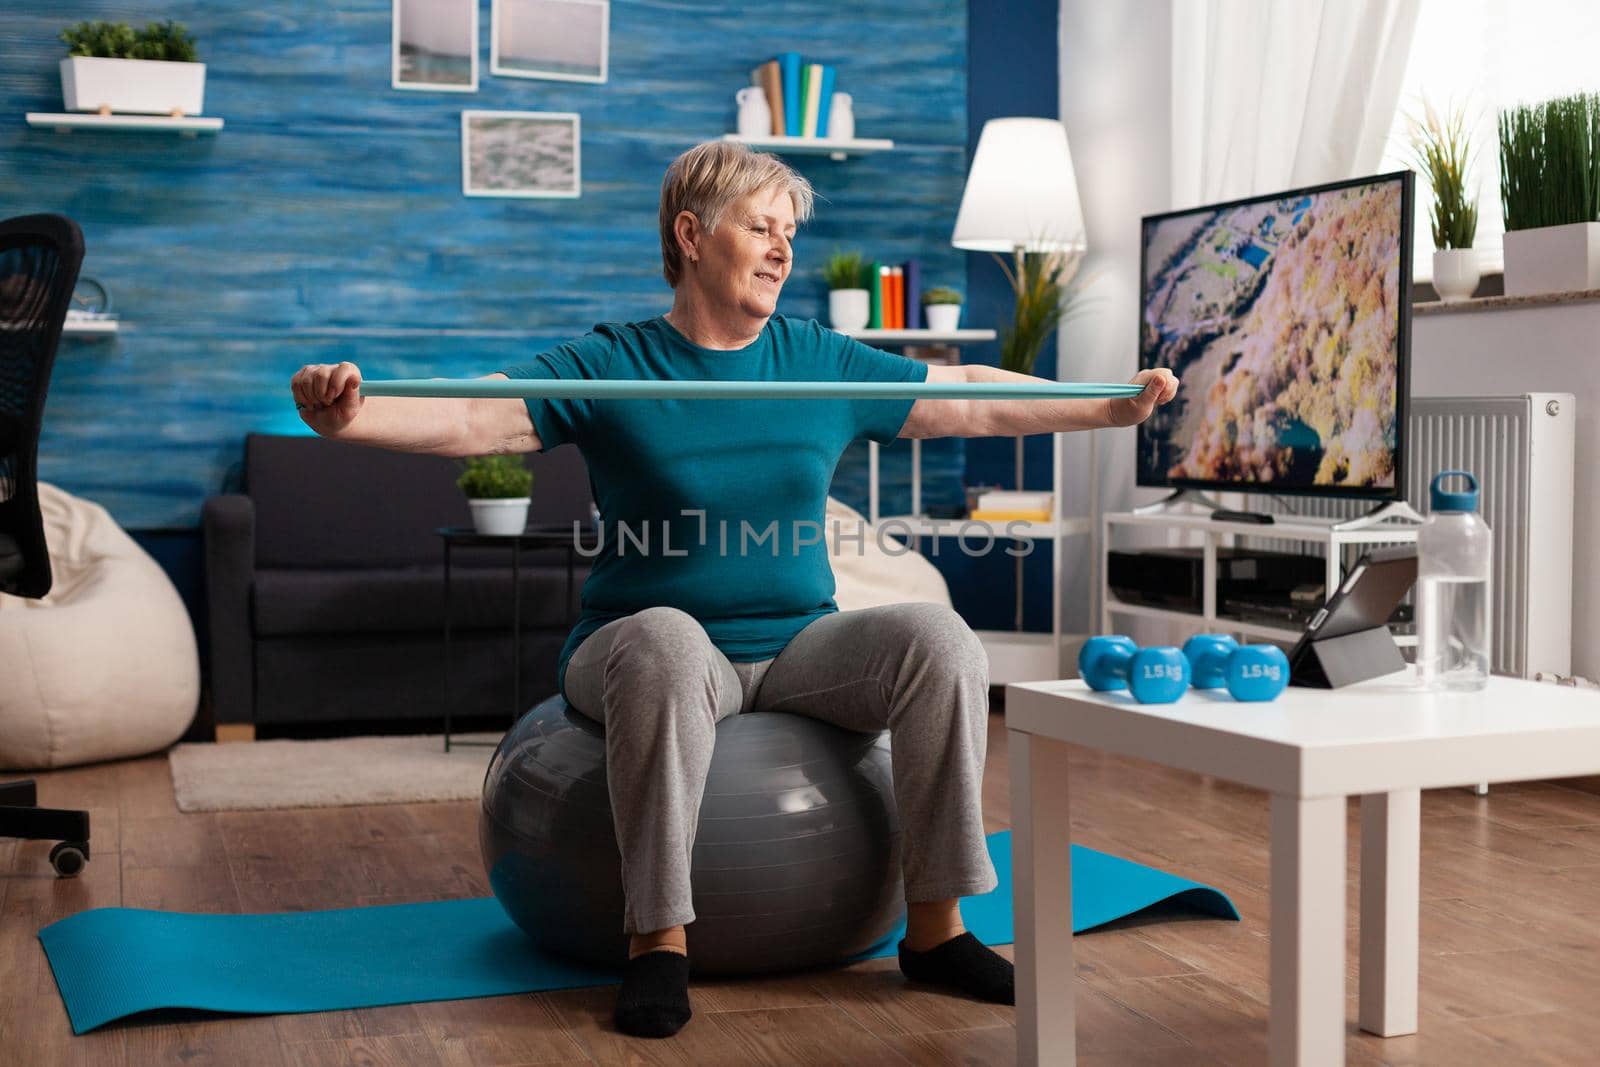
x=534, y=537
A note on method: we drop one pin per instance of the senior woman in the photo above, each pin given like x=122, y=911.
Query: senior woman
x=671, y=641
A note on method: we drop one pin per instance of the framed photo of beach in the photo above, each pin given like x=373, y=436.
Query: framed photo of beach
x=562, y=40
x=520, y=154
x=434, y=45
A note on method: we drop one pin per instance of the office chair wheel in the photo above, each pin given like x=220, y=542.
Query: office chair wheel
x=68, y=858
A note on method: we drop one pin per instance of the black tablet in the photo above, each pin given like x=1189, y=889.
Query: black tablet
x=1365, y=601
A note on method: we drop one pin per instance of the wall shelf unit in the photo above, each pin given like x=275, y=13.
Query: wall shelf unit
x=1333, y=542
x=66, y=122
x=832, y=147
x=1014, y=655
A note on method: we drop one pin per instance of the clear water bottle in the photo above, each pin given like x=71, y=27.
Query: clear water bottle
x=1453, y=552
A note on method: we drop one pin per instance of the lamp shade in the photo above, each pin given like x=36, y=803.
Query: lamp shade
x=1021, y=191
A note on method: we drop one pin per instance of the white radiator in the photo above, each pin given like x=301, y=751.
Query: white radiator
x=1522, y=449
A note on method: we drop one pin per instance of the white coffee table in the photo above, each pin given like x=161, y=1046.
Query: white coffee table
x=1382, y=740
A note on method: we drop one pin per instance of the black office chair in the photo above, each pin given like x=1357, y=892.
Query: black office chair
x=39, y=260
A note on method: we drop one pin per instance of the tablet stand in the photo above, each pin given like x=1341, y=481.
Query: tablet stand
x=1334, y=662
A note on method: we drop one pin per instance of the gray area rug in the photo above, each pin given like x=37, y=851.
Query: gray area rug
x=321, y=774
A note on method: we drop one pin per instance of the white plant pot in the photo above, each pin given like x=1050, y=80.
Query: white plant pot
x=1455, y=273
x=500, y=518
x=1553, y=259
x=849, y=309
x=944, y=318
x=133, y=86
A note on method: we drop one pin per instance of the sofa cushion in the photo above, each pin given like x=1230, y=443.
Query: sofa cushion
x=401, y=599
x=322, y=503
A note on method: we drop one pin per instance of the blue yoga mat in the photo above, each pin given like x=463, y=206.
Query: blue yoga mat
x=113, y=962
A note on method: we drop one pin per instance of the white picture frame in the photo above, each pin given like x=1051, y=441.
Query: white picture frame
x=522, y=154
x=428, y=41
x=558, y=40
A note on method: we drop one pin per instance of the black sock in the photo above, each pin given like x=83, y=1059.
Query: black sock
x=966, y=964
x=654, y=999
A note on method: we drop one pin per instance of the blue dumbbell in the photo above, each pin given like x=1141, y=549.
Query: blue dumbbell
x=1153, y=675
x=1250, y=672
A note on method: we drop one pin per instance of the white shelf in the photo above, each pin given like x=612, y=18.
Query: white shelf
x=921, y=337
x=975, y=529
x=85, y=327
x=1289, y=531
x=66, y=122
x=832, y=147
x=1027, y=657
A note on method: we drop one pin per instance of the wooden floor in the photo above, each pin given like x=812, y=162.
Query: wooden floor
x=1510, y=936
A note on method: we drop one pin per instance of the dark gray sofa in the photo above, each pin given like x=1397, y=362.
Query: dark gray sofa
x=326, y=596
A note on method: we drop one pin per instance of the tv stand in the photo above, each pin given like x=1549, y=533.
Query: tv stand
x=1176, y=499
x=1394, y=515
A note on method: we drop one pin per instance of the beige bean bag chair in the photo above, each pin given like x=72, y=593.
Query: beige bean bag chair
x=103, y=667
x=868, y=574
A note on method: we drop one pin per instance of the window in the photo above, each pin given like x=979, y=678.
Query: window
x=1484, y=55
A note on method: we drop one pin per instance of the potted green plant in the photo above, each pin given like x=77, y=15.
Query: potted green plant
x=849, y=303
x=1550, y=189
x=497, y=489
x=1442, y=151
x=1043, y=285
x=111, y=68
x=941, y=307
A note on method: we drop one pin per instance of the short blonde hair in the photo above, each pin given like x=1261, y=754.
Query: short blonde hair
x=710, y=178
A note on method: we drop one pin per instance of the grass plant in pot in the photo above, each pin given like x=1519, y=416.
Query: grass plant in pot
x=497, y=489
x=1045, y=297
x=1550, y=189
x=111, y=68
x=941, y=308
x=1443, y=154
x=849, y=305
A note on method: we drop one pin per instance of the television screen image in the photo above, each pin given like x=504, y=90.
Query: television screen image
x=1287, y=319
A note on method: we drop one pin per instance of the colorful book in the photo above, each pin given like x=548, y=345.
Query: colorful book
x=875, y=296
x=824, y=101
x=771, y=81
x=789, y=65
x=897, y=304
x=913, y=271
x=812, y=96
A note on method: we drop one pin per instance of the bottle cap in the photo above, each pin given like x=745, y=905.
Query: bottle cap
x=1447, y=500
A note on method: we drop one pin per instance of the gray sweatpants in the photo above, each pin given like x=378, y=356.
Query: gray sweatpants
x=660, y=686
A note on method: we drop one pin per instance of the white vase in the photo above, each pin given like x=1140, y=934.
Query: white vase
x=849, y=309
x=133, y=86
x=942, y=318
x=1455, y=273
x=500, y=518
x=841, y=118
x=1553, y=259
x=755, y=116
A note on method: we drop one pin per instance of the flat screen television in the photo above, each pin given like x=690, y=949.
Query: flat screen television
x=1288, y=319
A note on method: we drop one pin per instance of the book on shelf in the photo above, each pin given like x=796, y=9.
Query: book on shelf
x=770, y=79
x=875, y=296
x=913, y=295
x=994, y=515
x=789, y=64
x=1014, y=500
x=825, y=101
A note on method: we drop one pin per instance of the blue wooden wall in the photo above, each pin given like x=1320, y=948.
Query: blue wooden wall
x=326, y=221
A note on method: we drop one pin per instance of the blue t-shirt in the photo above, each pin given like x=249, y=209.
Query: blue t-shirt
x=714, y=507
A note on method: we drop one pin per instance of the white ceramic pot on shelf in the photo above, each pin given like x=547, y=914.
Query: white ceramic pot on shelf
x=500, y=518
x=1553, y=259
x=944, y=318
x=133, y=86
x=1455, y=273
x=849, y=309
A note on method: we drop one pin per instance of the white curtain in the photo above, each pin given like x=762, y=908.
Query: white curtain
x=1275, y=94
